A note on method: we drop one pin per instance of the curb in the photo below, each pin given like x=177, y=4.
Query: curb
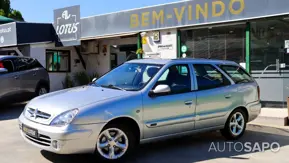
x=284, y=128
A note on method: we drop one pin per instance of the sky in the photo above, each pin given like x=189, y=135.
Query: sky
x=42, y=10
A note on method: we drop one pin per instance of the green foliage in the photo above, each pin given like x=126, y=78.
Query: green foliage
x=139, y=51
x=67, y=83
x=7, y=11
x=81, y=78
x=15, y=14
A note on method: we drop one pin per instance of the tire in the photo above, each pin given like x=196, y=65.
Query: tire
x=129, y=138
x=41, y=90
x=235, y=126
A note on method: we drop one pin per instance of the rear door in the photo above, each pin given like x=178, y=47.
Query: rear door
x=215, y=96
x=27, y=76
x=10, y=83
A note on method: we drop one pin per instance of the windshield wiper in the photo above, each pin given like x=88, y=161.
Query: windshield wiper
x=113, y=87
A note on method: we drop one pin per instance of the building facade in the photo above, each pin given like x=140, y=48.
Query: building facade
x=252, y=33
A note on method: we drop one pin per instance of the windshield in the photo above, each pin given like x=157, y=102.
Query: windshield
x=129, y=76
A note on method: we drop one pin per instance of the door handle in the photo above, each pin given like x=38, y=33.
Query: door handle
x=34, y=74
x=228, y=96
x=188, y=102
x=16, y=77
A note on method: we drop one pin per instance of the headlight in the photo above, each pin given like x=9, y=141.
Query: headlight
x=64, y=118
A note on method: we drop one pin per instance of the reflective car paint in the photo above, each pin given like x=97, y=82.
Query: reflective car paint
x=157, y=118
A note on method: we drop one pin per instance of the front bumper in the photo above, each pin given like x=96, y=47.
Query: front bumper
x=70, y=139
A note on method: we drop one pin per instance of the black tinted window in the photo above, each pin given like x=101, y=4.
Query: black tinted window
x=20, y=64
x=208, y=77
x=7, y=64
x=33, y=63
x=177, y=77
x=237, y=74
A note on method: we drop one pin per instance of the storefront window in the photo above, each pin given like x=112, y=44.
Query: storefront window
x=267, y=44
x=225, y=43
x=57, y=61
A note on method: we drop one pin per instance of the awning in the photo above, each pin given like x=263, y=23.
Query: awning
x=19, y=33
x=4, y=19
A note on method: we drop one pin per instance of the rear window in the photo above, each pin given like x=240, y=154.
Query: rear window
x=237, y=74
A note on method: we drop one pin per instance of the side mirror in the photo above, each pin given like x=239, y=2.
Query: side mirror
x=3, y=70
x=160, y=90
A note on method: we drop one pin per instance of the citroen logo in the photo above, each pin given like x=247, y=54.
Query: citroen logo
x=33, y=113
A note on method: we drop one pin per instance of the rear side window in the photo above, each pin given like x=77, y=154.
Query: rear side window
x=33, y=63
x=208, y=77
x=23, y=64
x=237, y=74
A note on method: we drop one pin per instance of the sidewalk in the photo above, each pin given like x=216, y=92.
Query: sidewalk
x=272, y=117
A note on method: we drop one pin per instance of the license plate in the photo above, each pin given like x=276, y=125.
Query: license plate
x=30, y=131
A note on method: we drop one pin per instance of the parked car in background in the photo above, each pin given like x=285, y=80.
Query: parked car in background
x=143, y=101
x=21, y=78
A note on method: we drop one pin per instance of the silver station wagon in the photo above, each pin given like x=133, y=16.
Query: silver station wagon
x=142, y=101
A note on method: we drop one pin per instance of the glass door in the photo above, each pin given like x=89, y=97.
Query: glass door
x=269, y=61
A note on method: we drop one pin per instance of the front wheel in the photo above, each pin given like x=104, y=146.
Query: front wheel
x=236, y=125
x=115, y=143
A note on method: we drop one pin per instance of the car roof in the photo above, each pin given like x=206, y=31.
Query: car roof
x=11, y=56
x=7, y=57
x=182, y=60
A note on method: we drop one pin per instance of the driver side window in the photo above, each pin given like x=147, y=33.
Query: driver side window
x=177, y=77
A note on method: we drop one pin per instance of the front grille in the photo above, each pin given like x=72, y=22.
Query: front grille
x=34, y=113
x=41, y=140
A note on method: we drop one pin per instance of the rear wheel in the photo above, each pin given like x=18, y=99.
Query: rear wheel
x=41, y=90
x=115, y=143
x=236, y=125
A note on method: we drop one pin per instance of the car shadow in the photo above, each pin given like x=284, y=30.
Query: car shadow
x=11, y=111
x=189, y=149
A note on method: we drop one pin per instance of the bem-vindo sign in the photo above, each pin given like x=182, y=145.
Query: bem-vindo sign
x=67, y=26
x=192, y=11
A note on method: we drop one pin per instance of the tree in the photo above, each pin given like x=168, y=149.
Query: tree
x=7, y=11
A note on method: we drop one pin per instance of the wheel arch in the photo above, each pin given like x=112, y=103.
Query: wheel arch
x=243, y=108
x=131, y=122
x=43, y=83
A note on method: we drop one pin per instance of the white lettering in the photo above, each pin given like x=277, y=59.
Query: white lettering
x=240, y=148
x=5, y=30
x=275, y=149
x=75, y=29
x=248, y=147
x=256, y=148
x=265, y=146
x=212, y=147
x=67, y=29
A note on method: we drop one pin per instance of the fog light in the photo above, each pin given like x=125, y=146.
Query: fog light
x=55, y=144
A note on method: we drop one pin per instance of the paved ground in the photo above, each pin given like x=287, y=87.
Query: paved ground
x=184, y=150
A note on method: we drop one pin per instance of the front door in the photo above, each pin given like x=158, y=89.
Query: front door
x=174, y=112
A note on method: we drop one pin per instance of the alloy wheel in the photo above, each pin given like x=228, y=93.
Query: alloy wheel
x=42, y=91
x=237, y=123
x=112, y=143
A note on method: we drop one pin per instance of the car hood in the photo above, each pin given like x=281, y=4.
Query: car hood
x=58, y=102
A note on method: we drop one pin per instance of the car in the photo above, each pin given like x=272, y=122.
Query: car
x=141, y=101
x=22, y=78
